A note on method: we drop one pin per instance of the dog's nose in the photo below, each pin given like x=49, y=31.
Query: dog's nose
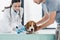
x=31, y=29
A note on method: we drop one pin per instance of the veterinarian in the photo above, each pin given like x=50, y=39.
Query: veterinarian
x=51, y=11
x=12, y=18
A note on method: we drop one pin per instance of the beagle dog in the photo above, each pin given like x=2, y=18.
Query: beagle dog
x=31, y=27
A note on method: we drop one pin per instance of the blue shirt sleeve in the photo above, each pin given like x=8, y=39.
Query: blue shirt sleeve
x=44, y=8
x=51, y=5
x=58, y=7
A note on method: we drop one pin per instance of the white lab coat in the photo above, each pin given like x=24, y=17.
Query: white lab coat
x=8, y=23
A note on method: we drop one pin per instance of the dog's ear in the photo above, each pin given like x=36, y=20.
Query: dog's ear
x=27, y=24
x=35, y=26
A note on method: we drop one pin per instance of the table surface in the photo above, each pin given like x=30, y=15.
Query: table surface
x=27, y=37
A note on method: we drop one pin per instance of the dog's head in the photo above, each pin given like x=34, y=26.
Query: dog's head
x=31, y=26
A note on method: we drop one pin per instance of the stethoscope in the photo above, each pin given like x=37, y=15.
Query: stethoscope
x=19, y=15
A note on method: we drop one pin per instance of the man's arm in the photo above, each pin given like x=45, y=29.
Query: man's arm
x=50, y=21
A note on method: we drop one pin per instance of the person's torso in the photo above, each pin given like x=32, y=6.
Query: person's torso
x=35, y=11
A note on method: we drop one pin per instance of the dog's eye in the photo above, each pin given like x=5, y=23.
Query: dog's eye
x=30, y=25
x=34, y=25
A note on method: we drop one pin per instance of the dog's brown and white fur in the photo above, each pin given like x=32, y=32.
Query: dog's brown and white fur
x=31, y=27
